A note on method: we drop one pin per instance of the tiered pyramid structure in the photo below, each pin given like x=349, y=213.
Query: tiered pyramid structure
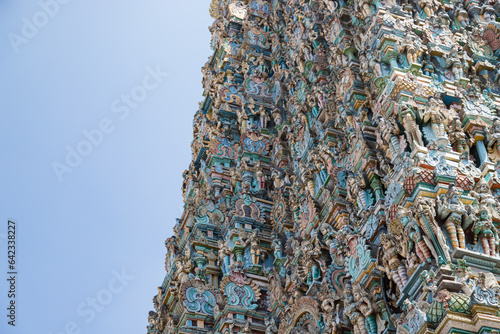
x=345, y=173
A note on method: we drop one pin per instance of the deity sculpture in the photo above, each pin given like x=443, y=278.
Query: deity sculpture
x=485, y=231
x=307, y=179
x=387, y=136
x=260, y=176
x=392, y=264
x=429, y=6
x=242, y=118
x=464, y=275
x=336, y=242
x=224, y=256
x=413, y=47
x=435, y=115
x=317, y=161
x=183, y=270
x=355, y=190
x=255, y=249
x=277, y=247
x=326, y=155
x=456, y=64
x=328, y=317
x=457, y=135
x=367, y=307
x=425, y=214
x=407, y=117
x=416, y=240
x=276, y=114
x=416, y=315
x=493, y=135
x=310, y=266
x=374, y=61
x=353, y=314
x=427, y=65
x=264, y=117
x=483, y=195
x=451, y=208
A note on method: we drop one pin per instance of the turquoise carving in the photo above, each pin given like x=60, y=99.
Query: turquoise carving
x=240, y=296
x=361, y=260
x=203, y=302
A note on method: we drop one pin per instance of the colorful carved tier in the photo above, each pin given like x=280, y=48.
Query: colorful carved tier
x=345, y=173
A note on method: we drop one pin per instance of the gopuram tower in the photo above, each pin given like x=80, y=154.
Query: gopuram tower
x=345, y=175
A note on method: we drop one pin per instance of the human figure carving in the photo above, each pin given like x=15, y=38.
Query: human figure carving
x=485, y=231
x=451, y=208
x=392, y=264
x=353, y=314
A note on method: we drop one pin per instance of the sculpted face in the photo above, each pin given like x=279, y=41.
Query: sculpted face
x=489, y=16
x=324, y=230
x=405, y=220
x=357, y=295
x=349, y=297
x=484, y=188
x=455, y=199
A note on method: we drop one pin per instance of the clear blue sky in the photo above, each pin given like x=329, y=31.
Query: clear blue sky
x=118, y=204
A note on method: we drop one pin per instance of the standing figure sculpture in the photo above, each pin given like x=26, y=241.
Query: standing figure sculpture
x=277, y=247
x=393, y=266
x=307, y=179
x=413, y=47
x=425, y=213
x=457, y=135
x=309, y=267
x=255, y=248
x=374, y=61
x=427, y=65
x=493, y=135
x=408, y=117
x=416, y=240
x=485, y=231
x=451, y=208
x=264, y=117
x=456, y=65
x=436, y=116
x=367, y=307
x=482, y=193
x=353, y=314
x=387, y=137
x=224, y=257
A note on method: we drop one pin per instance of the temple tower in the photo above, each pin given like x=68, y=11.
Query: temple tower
x=345, y=172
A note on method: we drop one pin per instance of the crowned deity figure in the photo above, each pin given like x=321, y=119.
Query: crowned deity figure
x=435, y=115
x=392, y=264
x=451, y=208
x=366, y=306
x=482, y=193
x=416, y=240
x=353, y=314
x=485, y=231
